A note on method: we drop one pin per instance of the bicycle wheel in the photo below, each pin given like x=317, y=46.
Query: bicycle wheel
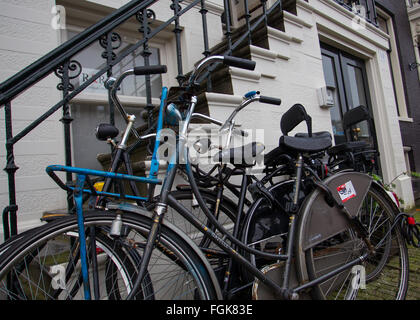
x=175, y=271
x=266, y=227
x=51, y=268
x=382, y=276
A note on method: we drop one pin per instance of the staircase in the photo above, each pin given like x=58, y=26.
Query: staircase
x=264, y=35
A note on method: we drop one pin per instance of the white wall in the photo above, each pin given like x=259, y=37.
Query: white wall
x=26, y=34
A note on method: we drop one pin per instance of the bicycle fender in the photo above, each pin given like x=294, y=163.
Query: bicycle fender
x=318, y=221
x=348, y=189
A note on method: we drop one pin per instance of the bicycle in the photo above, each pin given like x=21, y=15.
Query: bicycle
x=264, y=209
x=264, y=206
x=103, y=132
x=165, y=240
x=120, y=156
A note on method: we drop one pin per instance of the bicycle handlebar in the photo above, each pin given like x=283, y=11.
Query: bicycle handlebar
x=249, y=98
x=113, y=84
x=219, y=123
x=227, y=60
x=239, y=62
x=147, y=70
x=270, y=100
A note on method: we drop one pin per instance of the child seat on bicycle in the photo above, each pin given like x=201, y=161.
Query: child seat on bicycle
x=302, y=142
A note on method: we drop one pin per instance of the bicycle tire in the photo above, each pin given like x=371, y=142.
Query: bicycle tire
x=381, y=276
x=14, y=239
x=116, y=261
x=171, y=249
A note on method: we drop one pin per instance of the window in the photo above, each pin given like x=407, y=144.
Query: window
x=91, y=107
x=385, y=24
x=365, y=8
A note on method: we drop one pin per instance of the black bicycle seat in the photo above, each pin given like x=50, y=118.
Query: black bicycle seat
x=105, y=131
x=320, y=134
x=306, y=145
x=274, y=157
x=351, y=146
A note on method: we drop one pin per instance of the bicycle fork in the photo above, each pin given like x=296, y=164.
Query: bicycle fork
x=150, y=244
x=78, y=198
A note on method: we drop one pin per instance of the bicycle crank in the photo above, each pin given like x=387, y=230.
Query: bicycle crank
x=275, y=272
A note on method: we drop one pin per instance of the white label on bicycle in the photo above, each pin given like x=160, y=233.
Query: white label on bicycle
x=346, y=191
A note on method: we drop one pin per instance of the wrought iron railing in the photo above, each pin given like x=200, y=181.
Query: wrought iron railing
x=364, y=8
x=61, y=62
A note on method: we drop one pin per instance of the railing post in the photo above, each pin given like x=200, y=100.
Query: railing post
x=206, y=52
x=264, y=8
x=67, y=120
x=228, y=32
x=63, y=73
x=203, y=12
x=177, y=30
x=143, y=17
x=110, y=41
x=248, y=22
x=374, y=19
x=10, y=212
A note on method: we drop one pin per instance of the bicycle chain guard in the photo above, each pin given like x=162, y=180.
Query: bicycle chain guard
x=348, y=189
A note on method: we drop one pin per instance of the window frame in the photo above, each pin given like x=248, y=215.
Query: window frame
x=395, y=66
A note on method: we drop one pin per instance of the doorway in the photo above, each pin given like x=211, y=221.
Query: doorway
x=345, y=75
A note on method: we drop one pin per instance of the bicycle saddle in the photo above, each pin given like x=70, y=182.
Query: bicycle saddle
x=245, y=155
x=105, y=131
x=320, y=134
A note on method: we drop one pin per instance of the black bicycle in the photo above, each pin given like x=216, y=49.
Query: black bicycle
x=334, y=248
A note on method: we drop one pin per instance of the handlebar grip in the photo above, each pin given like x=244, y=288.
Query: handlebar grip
x=270, y=100
x=145, y=70
x=239, y=62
